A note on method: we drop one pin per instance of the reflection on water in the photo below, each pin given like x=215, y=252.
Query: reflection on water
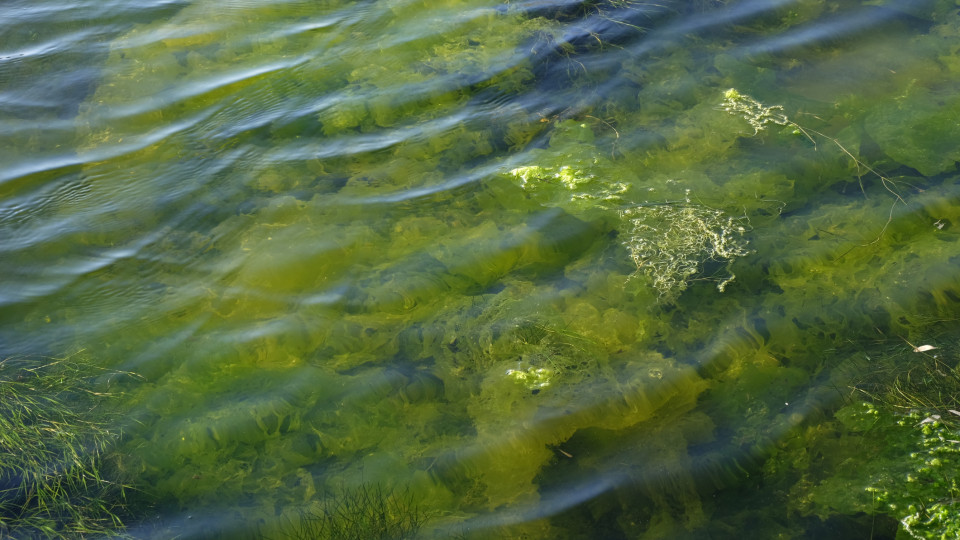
x=496, y=269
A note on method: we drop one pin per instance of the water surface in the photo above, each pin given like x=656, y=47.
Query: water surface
x=529, y=265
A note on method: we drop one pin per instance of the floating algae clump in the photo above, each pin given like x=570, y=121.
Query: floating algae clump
x=585, y=187
x=670, y=243
x=532, y=378
x=753, y=111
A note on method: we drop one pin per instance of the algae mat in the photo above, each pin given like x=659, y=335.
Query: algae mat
x=513, y=270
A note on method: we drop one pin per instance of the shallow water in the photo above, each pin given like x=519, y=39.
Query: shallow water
x=529, y=264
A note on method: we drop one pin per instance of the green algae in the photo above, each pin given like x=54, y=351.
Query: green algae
x=341, y=335
x=883, y=462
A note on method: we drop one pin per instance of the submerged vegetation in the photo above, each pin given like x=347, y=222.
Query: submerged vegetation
x=472, y=252
x=367, y=512
x=894, y=448
x=921, y=485
x=670, y=243
x=57, y=470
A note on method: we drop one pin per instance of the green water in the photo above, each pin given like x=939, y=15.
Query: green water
x=530, y=268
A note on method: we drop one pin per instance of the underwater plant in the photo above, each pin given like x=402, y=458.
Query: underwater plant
x=893, y=452
x=760, y=117
x=55, y=454
x=915, y=476
x=926, y=499
x=671, y=242
x=367, y=512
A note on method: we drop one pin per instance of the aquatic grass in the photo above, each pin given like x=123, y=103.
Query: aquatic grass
x=367, y=512
x=55, y=453
x=931, y=385
x=904, y=378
